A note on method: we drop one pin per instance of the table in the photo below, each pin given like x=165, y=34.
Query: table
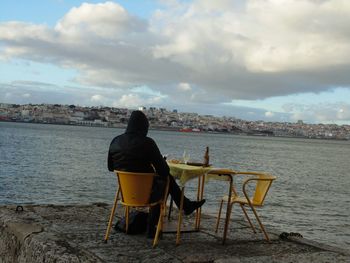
x=227, y=175
x=184, y=173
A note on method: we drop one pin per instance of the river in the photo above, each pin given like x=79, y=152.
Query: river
x=58, y=164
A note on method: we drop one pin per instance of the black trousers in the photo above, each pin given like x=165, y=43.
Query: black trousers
x=158, y=189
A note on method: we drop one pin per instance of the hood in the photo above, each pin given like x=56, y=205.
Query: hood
x=138, y=123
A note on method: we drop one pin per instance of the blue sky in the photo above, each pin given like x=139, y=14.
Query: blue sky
x=256, y=60
x=50, y=11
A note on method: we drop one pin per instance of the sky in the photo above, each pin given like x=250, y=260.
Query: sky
x=270, y=60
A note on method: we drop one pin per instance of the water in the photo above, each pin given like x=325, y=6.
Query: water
x=57, y=164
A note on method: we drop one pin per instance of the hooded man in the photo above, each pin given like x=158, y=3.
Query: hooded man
x=133, y=151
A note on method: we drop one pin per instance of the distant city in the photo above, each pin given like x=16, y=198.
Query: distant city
x=163, y=119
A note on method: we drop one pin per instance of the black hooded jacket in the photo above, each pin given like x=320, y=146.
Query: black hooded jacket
x=133, y=151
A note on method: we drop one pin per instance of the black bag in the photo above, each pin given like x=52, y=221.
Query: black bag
x=137, y=223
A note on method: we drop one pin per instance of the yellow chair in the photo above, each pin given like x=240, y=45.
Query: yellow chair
x=135, y=190
x=263, y=183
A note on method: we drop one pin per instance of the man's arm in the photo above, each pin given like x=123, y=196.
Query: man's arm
x=109, y=159
x=157, y=159
x=110, y=162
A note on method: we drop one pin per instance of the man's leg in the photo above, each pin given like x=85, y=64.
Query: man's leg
x=158, y=189
x=175, y=192
x=153, y=218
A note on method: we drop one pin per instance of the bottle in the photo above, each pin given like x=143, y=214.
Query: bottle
x=206, y=157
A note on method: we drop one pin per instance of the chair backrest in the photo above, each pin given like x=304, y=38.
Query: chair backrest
x=135, y=187
x=263, y=184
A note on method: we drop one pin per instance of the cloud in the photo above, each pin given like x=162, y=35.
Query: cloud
x=218, y=51
x=27, y=92
x=343, y=113
x=184, y=86
x=40, y=92
x=134, y=100
x=129, y=101
x=269, y=114
x=104, y=21
x=259, y=53
x=323, y=112
x=97, y=98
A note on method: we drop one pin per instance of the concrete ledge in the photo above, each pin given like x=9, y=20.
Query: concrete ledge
x=74, y=233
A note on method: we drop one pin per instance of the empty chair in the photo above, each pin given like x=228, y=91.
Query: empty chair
x=135, y=190
x=263, y=182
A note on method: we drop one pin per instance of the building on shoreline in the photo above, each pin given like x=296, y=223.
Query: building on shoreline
x=161, y=118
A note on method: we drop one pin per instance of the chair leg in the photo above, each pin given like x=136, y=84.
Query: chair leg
x=227, y=221
x=260, y=224
x=199, y=210
x=111, y=217
x=218, y=218
x=248, y=219
x=198, y=198
x=159, y=226
x=180, y=217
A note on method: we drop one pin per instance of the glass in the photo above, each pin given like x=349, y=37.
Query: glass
x=186, y=157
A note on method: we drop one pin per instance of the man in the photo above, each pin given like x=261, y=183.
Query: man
x=133, y=151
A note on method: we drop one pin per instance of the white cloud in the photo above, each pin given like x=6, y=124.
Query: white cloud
x=184, y=86
x=225, y=49
x=344, y=113
x=26, y=95
x=129, y=101
x=104, y=20
x=298, y=35
x=97, y=98
x=134, y=100
x=269, y=114
x=272, y=48
x=323, y=113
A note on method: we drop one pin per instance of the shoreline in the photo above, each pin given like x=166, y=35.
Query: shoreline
x=178, y=129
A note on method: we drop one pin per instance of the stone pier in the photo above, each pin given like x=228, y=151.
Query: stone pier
x=74, y=233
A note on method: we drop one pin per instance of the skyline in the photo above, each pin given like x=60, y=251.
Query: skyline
x=254, y=60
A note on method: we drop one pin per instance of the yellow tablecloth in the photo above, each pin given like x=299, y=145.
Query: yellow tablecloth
x=185, y=172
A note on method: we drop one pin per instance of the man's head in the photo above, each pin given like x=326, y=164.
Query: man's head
x=138, y=123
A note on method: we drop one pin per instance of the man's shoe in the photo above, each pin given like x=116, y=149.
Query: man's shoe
x=193, y=205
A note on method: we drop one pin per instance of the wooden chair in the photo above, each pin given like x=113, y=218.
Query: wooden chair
x=263, y=184
x=135, y=190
